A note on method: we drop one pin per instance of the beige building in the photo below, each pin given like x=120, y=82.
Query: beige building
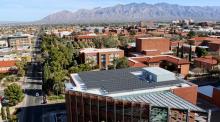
x=101, y=57
x=19, y=42
x=3, y=43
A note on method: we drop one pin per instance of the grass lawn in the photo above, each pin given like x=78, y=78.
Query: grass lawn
x=56, y=99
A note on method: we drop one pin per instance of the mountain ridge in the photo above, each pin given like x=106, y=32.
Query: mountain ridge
x=133, y=12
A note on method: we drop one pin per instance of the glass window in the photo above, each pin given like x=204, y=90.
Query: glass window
x=94, y=108
x=111, y=110
x=136, y=112
x=119, y=111
x=102, y=109
x=80, y=107
x=127, y=111
x=144, y=113
x=87, y=108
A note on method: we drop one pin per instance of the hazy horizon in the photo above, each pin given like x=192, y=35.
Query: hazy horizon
x=32, y=10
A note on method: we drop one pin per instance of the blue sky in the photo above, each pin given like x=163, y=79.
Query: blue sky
x=31, y=10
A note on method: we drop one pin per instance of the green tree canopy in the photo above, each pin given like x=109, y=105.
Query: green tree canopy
x=201, y=52
x=3, y=113
x=121, y=63
x=191, y=34
x=14, y=94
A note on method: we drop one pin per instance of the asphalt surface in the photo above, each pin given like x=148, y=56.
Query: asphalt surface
x=33, y=91
x=33, y=110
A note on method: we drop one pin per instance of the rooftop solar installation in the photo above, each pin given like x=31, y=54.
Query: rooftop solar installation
x=120, y=80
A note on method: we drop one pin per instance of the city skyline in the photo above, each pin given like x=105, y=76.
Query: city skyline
x=31, y=10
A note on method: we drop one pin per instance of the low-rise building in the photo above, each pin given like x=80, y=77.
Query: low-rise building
x=156, y=44
x=171, y=63
x=100, y=57
x=210, y=93
x=3, y=43
x=19, y=42
x=85, y=38
x=206, y=62
x=132, y=94
x=8, y=66
x=214, y=46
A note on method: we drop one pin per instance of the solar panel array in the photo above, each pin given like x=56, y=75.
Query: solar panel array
x=119, y=80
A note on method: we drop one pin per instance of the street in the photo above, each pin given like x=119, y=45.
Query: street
x=33, y=90
x=33, y=110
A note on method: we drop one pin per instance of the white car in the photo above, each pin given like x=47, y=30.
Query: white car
x=37, y=94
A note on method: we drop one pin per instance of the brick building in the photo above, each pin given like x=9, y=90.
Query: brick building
x=171, y=63
x=85, y=38
x=8, y=66
x=210, y=93
x=206, y=62
x=214, y=46
x=100, y=57
x=156, y=44
x=133, y=94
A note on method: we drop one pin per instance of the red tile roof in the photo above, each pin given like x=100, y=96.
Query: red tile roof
x=207, y=59
x=200, y=38
x=205, y=38
x=85, y=37
x=7, y=63
x=175, y=43
x=157, y=59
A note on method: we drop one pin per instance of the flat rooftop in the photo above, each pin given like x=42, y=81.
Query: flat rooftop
x=95, y=50
x=122, y=80
x=158, y=70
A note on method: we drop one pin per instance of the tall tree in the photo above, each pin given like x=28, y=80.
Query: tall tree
x=201, y=52
x=3, y=113
x=98, y=41
x=191, y=34
x=177, y=49
x=8, y=113
x=121, y=63
x=190, y=53
x=14, y=94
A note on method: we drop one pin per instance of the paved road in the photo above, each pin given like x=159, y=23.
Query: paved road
x=33, y=110
x=33, y=91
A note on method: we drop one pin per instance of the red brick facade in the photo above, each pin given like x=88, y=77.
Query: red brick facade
x=187, y=93
x=182, y=66
x=153, y=43
x=216, y=97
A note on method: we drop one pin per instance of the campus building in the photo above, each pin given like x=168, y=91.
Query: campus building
x=206, y=62
x=171, y=63
x=153, y=45
x=8, y=66
x=19, y=42
x=210, y=93
x=131, y=95
x=100, y=57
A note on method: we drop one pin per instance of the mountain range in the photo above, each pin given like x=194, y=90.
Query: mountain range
x=134, y=12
